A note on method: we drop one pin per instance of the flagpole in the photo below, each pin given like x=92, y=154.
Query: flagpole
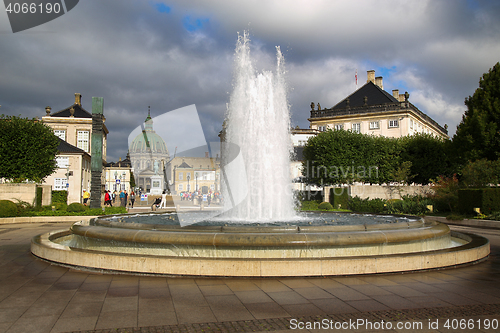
x=356, y=76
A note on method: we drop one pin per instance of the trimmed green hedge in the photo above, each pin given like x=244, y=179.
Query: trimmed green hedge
x=60, y=196
x=8, y=208
x=325, y=206
x=487, y=199
x=339, y=197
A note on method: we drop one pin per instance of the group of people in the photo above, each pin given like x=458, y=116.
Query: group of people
x=110, y=198
x=198, y=195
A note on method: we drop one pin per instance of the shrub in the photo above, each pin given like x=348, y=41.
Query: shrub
x=357, y=204
x=325, y=206
x=76, y=207
x=60, y=196
x=339, y=198
x=487, y=199
x=8, y=208
x=309, y=205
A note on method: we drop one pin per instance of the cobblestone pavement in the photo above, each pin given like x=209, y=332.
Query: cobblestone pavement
x=36, y=296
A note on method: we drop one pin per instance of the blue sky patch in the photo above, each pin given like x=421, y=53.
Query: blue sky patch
x=193, y=25
x=162, y=8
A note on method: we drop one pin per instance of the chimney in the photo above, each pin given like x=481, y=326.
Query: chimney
x=395, y=94
x=401, y=97
x=371, y=76
x=378, y=82
x=206, y=154
x=78, y=99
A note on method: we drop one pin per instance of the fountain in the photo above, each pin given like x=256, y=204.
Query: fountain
x=259, y=235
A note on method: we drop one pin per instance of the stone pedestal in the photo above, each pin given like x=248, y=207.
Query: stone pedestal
x=156, y=185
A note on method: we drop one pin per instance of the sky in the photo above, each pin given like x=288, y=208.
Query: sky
x=172, y=54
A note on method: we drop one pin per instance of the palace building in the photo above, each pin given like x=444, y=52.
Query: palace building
x=372, y=110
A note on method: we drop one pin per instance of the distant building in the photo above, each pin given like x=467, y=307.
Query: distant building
x=193, y=174
x=372, y=110
x=73, y=163
x=73, y=125
x=147, y=150
x=118, y=175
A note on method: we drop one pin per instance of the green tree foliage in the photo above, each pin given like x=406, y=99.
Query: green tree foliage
x=27, y=149
x=478, y=134
x=429, y=157
x=481, y=173
x=343, y=157
x=446, y=191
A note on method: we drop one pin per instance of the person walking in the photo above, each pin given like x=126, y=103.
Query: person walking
x=122, y=199
x=132, y=198
x=86, y=197
x=126, y=198
x=113, y=196
x=163, y=203
x=107, y=199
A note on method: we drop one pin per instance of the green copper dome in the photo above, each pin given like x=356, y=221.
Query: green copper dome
x=148, y=141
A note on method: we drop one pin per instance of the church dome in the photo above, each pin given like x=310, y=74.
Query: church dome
x=148, y=141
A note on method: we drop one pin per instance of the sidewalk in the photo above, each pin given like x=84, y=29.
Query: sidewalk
x=36, y=296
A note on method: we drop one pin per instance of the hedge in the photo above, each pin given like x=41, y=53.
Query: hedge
x=486, y=199
x=339, y=198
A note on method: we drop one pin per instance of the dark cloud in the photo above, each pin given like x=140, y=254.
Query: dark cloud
x=170, y=54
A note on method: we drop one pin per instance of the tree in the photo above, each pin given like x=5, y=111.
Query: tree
x=478, y=134
x=481, y=173
x=343, y=157
x=428, y=155
x=27, y=149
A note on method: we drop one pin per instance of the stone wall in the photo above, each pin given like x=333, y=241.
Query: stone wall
x=25, y=192
x=381, y=191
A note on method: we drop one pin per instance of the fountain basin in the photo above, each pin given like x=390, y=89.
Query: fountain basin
x=256, y=251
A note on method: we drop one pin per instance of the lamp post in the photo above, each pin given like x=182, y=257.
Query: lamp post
x=188, y=178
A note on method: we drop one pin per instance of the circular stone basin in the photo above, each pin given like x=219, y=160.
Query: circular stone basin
x=315, y=244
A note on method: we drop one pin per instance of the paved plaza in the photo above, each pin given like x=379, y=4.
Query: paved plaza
x=36, y=296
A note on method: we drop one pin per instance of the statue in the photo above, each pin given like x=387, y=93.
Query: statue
x=156, y=167
x=312, y=106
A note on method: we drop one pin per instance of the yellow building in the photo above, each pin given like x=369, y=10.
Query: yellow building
x=372, y=110
x=73, y=125
x=194, y=173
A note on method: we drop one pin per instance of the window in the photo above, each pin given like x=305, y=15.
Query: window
x=181, y=188
x=212, y=187
x=393, y=123
x=374, y=125
x=60, y=184
x=62, y=162
x=83, y=140
x=339, y=127
x=181, y=176
x=411, y=123
x=60, y=134
x=356, y=127
x=322, y=128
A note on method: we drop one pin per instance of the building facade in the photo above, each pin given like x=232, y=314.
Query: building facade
x=194, y=174
x=118, y=175
x=372, y=110
x=148, y=156
x=73, y=125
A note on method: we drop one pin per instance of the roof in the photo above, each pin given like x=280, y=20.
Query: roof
x=184, y=165
x=79, y=112
x=65, y=147
x=374, y=94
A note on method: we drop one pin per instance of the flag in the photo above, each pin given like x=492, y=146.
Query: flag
x=356, y=76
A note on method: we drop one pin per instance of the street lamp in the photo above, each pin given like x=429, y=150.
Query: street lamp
x=188, y=178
